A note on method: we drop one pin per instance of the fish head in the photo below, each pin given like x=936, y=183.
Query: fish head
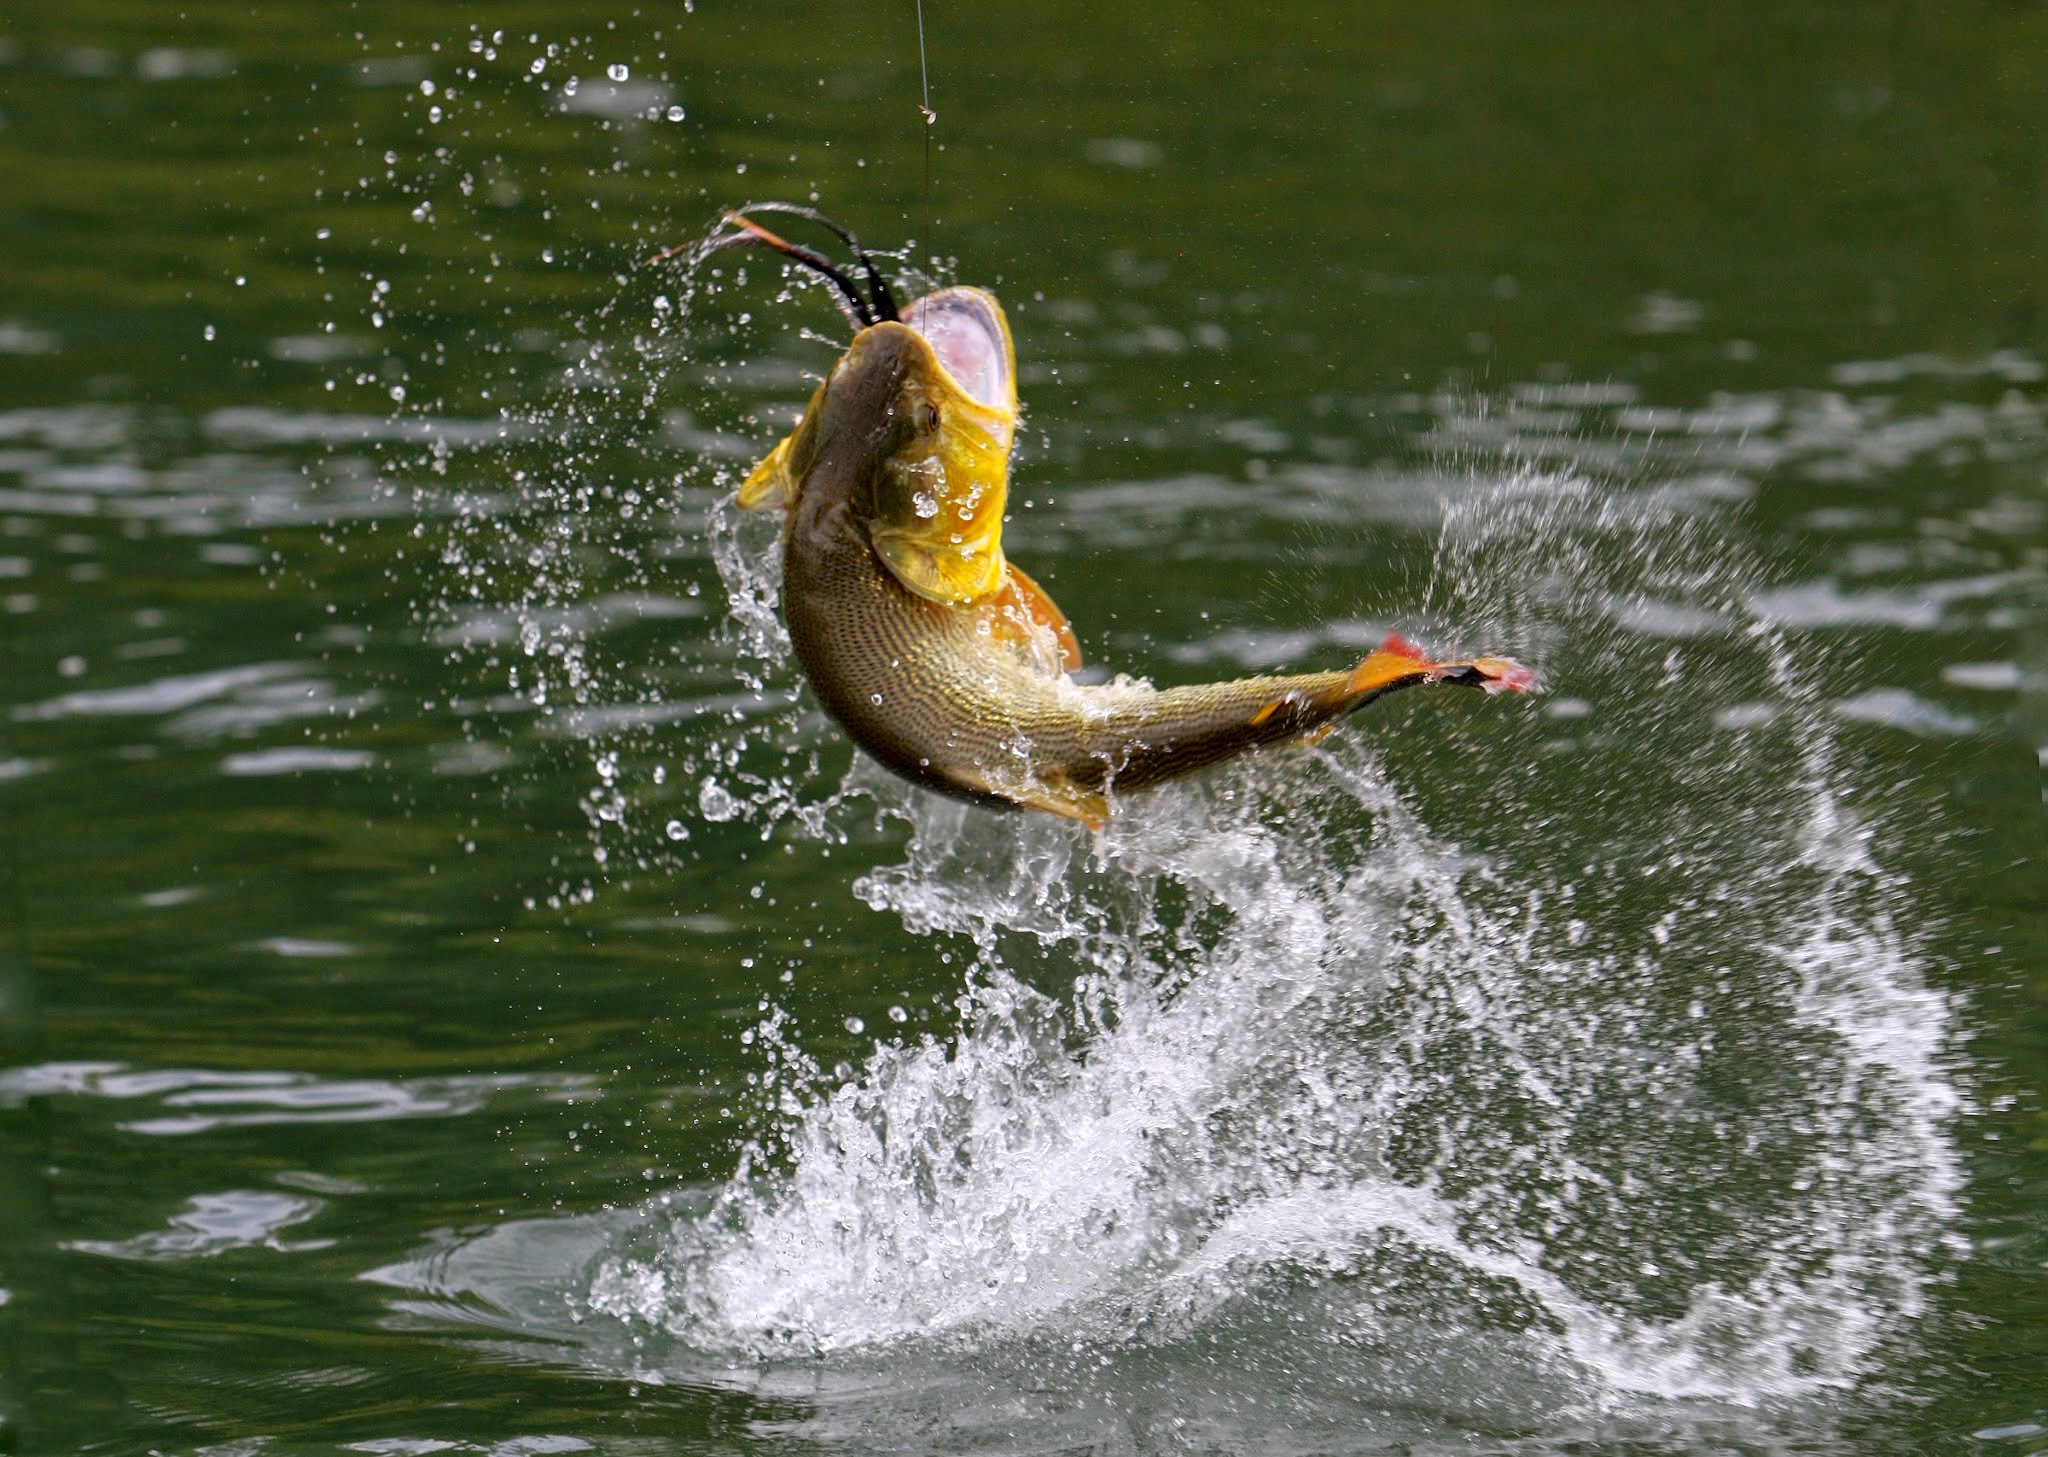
x=911, y=432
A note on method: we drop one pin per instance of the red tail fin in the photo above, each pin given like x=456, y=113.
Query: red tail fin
x=1399, y=663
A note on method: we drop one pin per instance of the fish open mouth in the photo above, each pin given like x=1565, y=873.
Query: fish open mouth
x=972, y=343
x=938, y=523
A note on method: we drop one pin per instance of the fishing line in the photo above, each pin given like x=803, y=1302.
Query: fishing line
x=924, y=76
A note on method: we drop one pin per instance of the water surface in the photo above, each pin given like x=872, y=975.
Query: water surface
x=459, y=993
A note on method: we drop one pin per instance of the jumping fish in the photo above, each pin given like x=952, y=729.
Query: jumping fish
x=935, y=653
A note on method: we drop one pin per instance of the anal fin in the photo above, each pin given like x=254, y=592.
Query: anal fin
x=1053, y=793
x=1090, y=807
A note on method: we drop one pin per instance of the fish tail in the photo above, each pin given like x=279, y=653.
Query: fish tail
x=1398, y=663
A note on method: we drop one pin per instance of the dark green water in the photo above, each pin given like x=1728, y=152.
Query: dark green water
x=454, y=998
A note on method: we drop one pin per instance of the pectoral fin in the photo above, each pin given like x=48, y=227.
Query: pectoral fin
x=772, y=485
x=768, y=486
x=938, y=506
x=1022, y=603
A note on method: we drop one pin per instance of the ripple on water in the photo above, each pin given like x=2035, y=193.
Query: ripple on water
x=219, y=703
x=299, y=759
x=1922, y=605
x=1825, y=435
x=165, y=695
x=201, y=1100
x=19, y=338
x=212, y=1224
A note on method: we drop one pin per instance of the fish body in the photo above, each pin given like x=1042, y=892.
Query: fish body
x=941, y=658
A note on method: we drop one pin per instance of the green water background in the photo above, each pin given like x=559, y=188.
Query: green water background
x=1237, y=246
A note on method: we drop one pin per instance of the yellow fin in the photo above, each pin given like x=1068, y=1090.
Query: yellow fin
x=773, y=484
x=1068, y=801
x=768, y=486
x=1383, y=670
x=1268, y=710
x=1054, y=793
x=1020, y=605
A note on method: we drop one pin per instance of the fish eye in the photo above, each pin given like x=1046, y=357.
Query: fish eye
x=924, y=416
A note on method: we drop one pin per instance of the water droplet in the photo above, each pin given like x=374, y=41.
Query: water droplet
x=676, y=830
x=716, y=802
x=617, y=71
x=856, y=1026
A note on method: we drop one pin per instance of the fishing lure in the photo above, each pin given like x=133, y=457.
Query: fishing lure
x=935, y=653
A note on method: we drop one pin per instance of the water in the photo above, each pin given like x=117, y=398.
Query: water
x=459, y=994
x=1220, y=1057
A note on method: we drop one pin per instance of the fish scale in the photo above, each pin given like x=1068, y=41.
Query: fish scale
x=923, y=689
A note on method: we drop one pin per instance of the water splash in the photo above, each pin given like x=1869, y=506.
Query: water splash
x=1650, y=1099
x=566, y=530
